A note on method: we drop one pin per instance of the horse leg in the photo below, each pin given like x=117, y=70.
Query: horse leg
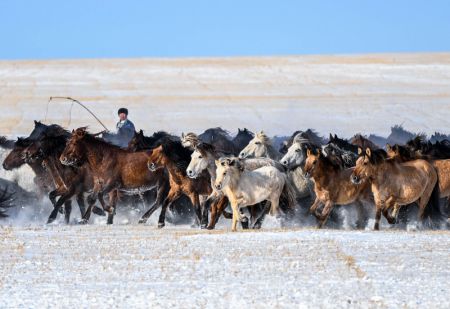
x=262, y=216
x=80, y=202
x=58, y=205
x=379, y=207
x=329, y=205
x=67, y=210
x=196, y=203
x=206, y=207
x=236, y=215
x=171, y=197
x=113, y=197
x=387, y=206
x=216, y=210
x=362, y=215
x=161, y=196
x=314, y=206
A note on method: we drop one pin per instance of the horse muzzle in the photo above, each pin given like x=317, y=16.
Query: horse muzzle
x=218, y=186
x=191, y=174
x=307, y=175
x=151, y=166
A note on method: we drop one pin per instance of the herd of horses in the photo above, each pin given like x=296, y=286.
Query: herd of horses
x=302, y=179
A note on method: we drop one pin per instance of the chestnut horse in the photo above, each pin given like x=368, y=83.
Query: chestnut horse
x=332, y=186
x=396, y=184
x=175, y=158
x=113, y=169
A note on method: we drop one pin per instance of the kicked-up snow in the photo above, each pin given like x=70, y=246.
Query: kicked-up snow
x=140, y=266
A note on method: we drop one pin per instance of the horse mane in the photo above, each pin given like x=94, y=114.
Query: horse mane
x=377, y=156
x=205, y=148
x=176, y=153
x=213, y=133
x=264, y=138
x=23, y=142
x=403, y=152
x=92, y=138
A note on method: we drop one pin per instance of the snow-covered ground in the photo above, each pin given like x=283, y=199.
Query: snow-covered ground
x=129, y=265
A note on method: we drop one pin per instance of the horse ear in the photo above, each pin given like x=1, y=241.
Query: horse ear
x=335, y=136
x=360, y=151
x=368, y=152
x=388, y=147
x=182, y=134
x=331, y=137
x=141, y=132
x=308, y=152
x=217, y=162
x=73, y=131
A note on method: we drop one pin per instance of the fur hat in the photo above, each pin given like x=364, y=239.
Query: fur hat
x=122, y=110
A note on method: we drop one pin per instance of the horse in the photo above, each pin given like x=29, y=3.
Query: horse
x=203, y=158
x=400, y=136
x=175, y=158
x=309, y=135
x=403, y=154
x=69, y=181
x=242, y=138
x=214, y=136
x=363, y=142
x=16, y=158
x=438, y=150
x=113, y=169
x=141, y=142
x=396, y=184
x=332, y=185
x=260, y=146
x=244, y=188
x=6, y=143
x=343, y=158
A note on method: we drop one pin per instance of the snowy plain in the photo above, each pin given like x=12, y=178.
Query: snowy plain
x=128, y=265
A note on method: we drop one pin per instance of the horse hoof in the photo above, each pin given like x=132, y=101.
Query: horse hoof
x=194, y=226
x=50, y=220
x=210, y=227
x=142, y=221
x=61, y=211
x=257, y=226
x=203, y=226
x=98, y=211
x=83, y=222
x=161, y=225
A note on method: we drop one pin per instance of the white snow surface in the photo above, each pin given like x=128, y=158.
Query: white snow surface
x=140, y=266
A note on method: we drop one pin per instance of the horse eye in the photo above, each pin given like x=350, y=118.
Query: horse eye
x=257, y=143
x=297, y=150
x=224, y=173
x=365, y=163
x=315, y=161
x=199, y=157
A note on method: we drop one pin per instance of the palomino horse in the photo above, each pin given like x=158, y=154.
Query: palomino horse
x=396, y=184
x=332, y=186
x=203, y=158
x=244, y=188
x=175, y=158
x=113, y=169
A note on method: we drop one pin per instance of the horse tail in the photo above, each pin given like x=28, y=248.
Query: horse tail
x=432, y=210
x=287, y=199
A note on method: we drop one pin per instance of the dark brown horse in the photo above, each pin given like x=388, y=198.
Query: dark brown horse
x=69, y=181
x=175, y=158
x=113, y=169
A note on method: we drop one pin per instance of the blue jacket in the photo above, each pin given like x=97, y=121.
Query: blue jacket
x=125, y=132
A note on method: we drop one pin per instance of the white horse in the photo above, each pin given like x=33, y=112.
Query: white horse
x=244, y=188
x=260, y=146
x=203, y=158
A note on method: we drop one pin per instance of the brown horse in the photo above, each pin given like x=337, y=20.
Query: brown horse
x=332, y=186
x=396, y=184
x=16, y=158
x=113, y=169
x=404, y=154
x=175, y=158
x=69, y=181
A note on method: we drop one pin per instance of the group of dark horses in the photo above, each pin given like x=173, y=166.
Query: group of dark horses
x=152, y=169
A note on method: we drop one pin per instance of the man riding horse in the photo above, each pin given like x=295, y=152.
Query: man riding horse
x=125, y=130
